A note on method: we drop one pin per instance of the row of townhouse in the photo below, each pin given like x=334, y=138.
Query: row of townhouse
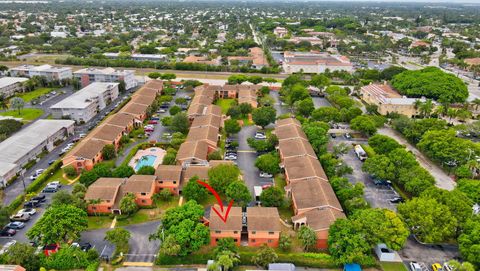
x=255, y=227
x=314, y=201
x=86, y=76
x=105, y=194
x=89, y=151
x=256, y=59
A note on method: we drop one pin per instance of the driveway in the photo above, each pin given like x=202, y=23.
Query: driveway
x=141, y=249
x=428, y=254
x=442, y=179
x=281, y=109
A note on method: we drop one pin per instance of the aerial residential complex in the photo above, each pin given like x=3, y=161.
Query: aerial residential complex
x=28, y=143
x=51, y=73
x=90, y=75
x=84, y=104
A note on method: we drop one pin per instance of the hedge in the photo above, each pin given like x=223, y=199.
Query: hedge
x=369, y=150
x=16, y=203
x=316, y=260
x=43, y=178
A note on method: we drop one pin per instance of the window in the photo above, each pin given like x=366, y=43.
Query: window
x=235, y=240
x=143, y=193
x=109, y=208
x=253, y=240
x=235, y=232
x=270, y=232
x=218, y=231
x=254, y=232
x=160, y=181
x=174, y=182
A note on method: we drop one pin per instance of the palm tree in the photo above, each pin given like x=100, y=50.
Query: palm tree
x=426, y=108
x=440, y=110
x=451, y=113
x=476, y=102
x=417, y=104
x=473, y=165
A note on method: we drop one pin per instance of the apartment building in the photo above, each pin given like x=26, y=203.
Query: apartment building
x=256, y=59
x=280, y=32
x=84, y=104
x=231, y=228
x=51, y=73
x=168, y=177
x=89, y=151
x=388, y=100
x=313, y=200
x=29, y=142
x=139, y=57
x=105, y=194
x=11, y=85
x=315, y=62
x=108, y=75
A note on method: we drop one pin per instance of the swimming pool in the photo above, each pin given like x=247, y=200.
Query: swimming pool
x=146, y=160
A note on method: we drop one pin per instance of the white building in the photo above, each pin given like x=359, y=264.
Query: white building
x=312, y=62
x=10, y=85
x=25, y=145
x=84, y=104
x=50, y=72
x=110, y=75
x=280, y=32
x=140, y=57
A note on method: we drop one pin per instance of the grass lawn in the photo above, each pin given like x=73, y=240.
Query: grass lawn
x=99, y=222
x=58, y=176
x=393, y=266
x=27, y=114
x=225, y=104
x=143, y=215
x=28, y=96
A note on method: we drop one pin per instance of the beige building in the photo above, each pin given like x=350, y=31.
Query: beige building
x=388, y=100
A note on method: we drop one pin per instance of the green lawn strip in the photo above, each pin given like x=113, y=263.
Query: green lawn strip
x=26, y=114
x=28, y=96
x=99, y=222
x=225, y=104
x=393, y=266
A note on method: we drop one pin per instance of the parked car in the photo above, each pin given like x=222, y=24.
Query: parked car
x=381, y=182
x=28, y=211
x=155, y=118
x=39, y=198
x=6, y=232
x=333, y=135
x=55, y=183
x=437, y=267
x=50, y=189
x=51, y=162
x=230, y=156
x=82, y=135
x=83, y=246
x=20, y=217
x=347, y=136
x=397, y=200
x=167, y=135
x=31, y=204
x=265, y=175
x=161, y=110
x=15, y=225
x=7, y=246
x=229, y=140
x=260, y=135
x=152, y=122
x=33, y=177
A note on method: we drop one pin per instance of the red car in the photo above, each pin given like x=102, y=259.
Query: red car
x=152, y=122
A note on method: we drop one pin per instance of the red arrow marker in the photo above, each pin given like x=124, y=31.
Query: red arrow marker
x=219, y=200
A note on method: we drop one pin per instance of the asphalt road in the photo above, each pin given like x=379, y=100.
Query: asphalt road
x=141, y=249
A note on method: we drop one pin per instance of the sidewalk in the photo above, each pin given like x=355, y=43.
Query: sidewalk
x=442, y=179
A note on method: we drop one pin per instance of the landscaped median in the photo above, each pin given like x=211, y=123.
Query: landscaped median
x=26, y=114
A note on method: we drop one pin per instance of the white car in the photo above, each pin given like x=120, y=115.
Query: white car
x=7, y=246
x=230, y=157
x=39, y=171
x=265, y=175
x=259, y=135
x=414, y=266
x=55, y=184
x=29, y=211
x=161, y=110
x=33, y=177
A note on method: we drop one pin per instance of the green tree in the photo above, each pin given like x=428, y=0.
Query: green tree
x=168, y=76
x=123, y=171
x=379, y=166
x=346, y=243
x=88, y=177
x=265, y=256
x=471, y=188
x=70, y=171
x=326, y=114
x=24, y=255
x=297, y=92
x=223, y=175
x=232, y=126
x=238, y=192
x=175, y=110
x=364, y=124
x=464, y=266
x=305, y=107
x=382, y=144
x=108, y=152
x=263, y=116
x=118, y=237
x=59, y=224
x=227, y=260
x=285, y=242
x=308, y=237
x=469, y=242
x=146, y=170
x=245, y=108
x=272, y=197
x=180, y=123
x=268, y=163
x=418, y=213
x=128, y=205
x=170, y=246
x=17, y=103
x=320, y=80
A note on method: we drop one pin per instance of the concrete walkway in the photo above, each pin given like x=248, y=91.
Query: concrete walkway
x=442, y=179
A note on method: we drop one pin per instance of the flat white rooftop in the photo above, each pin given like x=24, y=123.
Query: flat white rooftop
x=84, y=97
x=7, y=81
x=21, y=143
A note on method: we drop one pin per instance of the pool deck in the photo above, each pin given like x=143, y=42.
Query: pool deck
x=155, y=151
